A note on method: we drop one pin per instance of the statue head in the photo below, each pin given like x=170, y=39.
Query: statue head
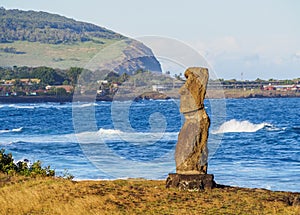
x=193, y=91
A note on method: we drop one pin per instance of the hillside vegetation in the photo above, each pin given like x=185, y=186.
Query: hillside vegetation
x=30, y=38
x=17, y=25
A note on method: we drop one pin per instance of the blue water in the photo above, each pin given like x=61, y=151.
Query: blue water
x=255, y=143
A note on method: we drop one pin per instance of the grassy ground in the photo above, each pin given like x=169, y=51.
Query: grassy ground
x=61, y=56
x=19, y=195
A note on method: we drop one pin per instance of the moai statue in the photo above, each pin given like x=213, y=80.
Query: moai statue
x=191, y=150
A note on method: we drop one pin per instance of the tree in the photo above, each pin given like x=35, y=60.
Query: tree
x=139, y=71
x=18, y=83
x=259, y=80
x=87, y=76
x=178, y=77
x=272, y=79
x=48, y=76
x=288, y=82
x=112, y=77
x=61, y=92
x=65, y=82
x=124, y=77
x=73, y=74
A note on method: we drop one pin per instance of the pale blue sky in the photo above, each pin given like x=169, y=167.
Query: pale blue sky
x=260, y=38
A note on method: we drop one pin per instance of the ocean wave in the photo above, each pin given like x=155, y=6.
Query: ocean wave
x=85, y=105
x=11, y=140
x=94, y=137
x=22, y=106
x=234, y=126
x=109, y=135
x=109, y=131
x=50, y=105
x=11, y=130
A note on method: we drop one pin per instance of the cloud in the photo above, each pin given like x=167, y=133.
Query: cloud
x=230, y=56
x=218, y=46
x=215, y=49
x=296, y=56
x=225, y=45
x=251, y=60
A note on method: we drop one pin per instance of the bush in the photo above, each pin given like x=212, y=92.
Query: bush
x=8, y=166
x=6, y=162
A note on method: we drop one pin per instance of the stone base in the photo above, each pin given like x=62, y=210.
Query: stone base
x=191, y=182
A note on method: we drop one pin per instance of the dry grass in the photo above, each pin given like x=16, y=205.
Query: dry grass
x=60, y=196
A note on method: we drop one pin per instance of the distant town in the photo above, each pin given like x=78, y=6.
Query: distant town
x=45, y=81
x=271, y=84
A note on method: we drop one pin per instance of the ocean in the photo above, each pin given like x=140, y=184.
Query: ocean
x=252, y=142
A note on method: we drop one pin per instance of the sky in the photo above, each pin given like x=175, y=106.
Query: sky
x=240, y=39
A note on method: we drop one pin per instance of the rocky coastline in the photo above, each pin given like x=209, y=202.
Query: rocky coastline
x=146, y=96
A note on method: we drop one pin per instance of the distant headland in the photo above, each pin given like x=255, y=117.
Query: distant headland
x=31, y=38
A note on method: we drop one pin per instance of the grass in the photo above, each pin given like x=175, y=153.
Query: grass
x=61, y=56
x=20, y=195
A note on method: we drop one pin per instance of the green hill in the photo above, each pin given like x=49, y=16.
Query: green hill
x=17, y=25
x=30, y=38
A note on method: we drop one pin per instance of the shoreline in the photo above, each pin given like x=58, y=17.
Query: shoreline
x=226, y=94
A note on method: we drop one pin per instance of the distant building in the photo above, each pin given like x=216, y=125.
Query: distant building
x=178, y=84
x=115, y=84
x=102, y=82
x=294, y=87
x=68, y=88
x=269, y=87
x=160, y=88
x=26, y=81
x=35, y=92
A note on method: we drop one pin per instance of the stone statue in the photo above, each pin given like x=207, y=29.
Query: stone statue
x=191, y=149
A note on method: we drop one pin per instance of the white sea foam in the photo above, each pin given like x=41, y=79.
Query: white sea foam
x=17, y=129
x=64, y=138
x=240, y=126
x=108, y=135
x=11, y=130
x=51, y=105
x=100, y=136
x=86, y=105
x=22, y=106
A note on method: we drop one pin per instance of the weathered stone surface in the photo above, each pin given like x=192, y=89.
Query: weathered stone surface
x=191, y=149
x=191, y=182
